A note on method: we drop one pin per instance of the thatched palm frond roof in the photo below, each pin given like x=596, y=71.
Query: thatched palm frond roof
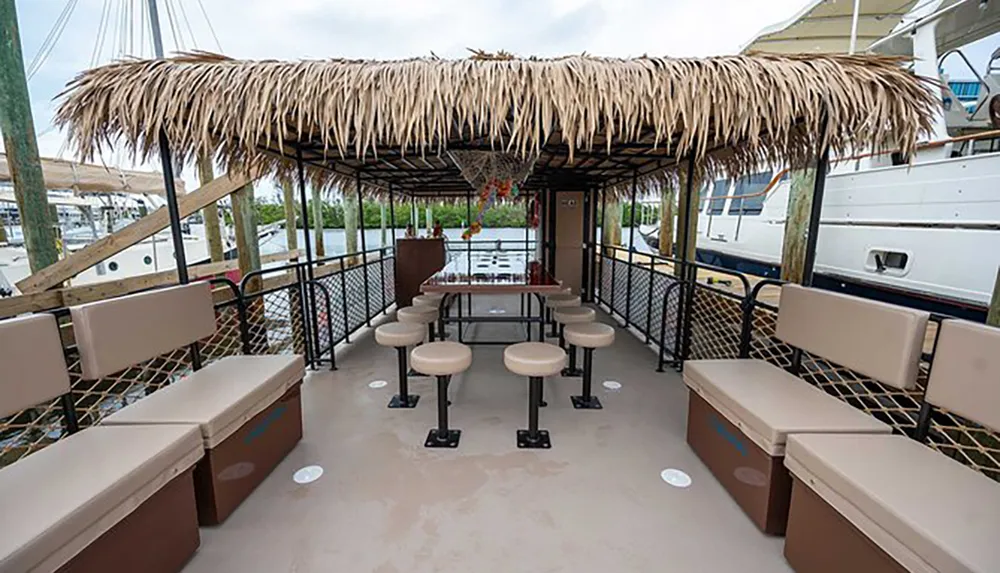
x=591, y=121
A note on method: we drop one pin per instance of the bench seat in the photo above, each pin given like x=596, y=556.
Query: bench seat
x=767, y=403
x=220, y=397
x=740, y=414
x=81, y=497
x=925, y=510
x=250, y=414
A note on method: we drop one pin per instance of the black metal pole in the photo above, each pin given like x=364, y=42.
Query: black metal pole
x=631, y=249
x=600, y=246
x=364, y=247
x=819, y=188
x=392, y=214
x=587, y=259
x=688, y=272
x=310, y=305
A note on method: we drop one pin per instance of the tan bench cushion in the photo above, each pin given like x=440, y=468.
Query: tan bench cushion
x=220, y=397
x=32, y=365
x=768, y=404
x=924, y=509
x=57, y=501
x=117, y=333
x=964, y=378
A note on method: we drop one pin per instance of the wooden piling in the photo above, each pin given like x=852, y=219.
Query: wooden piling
x=611, y=234
x=21, y=146
x=210, y=214
x=291, y=229
x=666, y=235
x=245, y=227
x=793, y=248
x=687, y=211
x=317, y=206
x=350, y=205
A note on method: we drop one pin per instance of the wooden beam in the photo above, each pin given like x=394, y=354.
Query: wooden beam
x=291, y=226
x=793, y=247
x=117, y=242
x=689, y=212
x=84, y=178
x=666, y=234
x=50, y=299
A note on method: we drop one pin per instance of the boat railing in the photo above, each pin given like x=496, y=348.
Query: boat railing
x=298, y=308
x=715, y=313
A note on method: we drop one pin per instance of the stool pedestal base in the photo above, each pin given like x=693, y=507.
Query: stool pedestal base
x=586, y=403
x=524, y=440
x=410, y=402
x=448, y=439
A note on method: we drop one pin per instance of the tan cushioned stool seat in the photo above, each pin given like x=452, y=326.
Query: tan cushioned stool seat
x=61, y=499
x=441, y=358
x=397, y=334
x=220, y=397
x=768, y=404
x=926, y=510
x=534, y=359
x=574, y=315
x=417, y=314
x=424, y=300
x=562, y=300
x=590, y=335
x=438, y=296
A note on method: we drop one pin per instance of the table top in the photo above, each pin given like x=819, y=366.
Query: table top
x=496, y=272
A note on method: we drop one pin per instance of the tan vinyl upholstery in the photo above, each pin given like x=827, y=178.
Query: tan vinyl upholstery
x=399, y=334
x=61, y=499
x=574, y=315
x=880, y=340
x=441, y=358
x=965, y=377
x=116, y=333
x=562, y=300
x=219, y=398
x=32, y=366
x=534, y=359
x=417, y=314
x=590, y=335
x=424, y=300
x=927, y=511
x=768, y=404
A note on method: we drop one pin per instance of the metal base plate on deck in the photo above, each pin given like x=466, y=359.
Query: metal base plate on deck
x=580, y=404
x=450, y=440
x=571, y=372
x=542, y=442
x=411, y=401
x=414, y=374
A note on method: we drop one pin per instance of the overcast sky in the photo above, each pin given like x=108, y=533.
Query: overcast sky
x=384, y=29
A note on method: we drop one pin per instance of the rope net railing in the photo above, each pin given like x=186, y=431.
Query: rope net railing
x=275, y=324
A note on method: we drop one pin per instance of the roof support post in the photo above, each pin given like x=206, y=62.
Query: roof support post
x=631, y=249
x=588, y=260
x=210, y=213
x=308, y=301
x=364, y=246
x=392, y=214
x=291, y=225
x=819, y=188
x=689, y=273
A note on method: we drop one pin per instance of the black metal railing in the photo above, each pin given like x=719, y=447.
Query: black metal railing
x=717, y=313
x=278, y=310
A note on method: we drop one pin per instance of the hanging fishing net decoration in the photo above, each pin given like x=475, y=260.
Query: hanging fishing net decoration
x=495, y=175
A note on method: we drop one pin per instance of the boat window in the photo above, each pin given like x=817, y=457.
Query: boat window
x=753, y=186
x=718, y=201
x=702, y=195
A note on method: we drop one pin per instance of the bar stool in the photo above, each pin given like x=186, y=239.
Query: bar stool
x=399, y=335
x=555, y=301
x=443, y=360
x=433, y=300
x=588, y=336
x=572, y=315
x=536, y=360
x=419, y=315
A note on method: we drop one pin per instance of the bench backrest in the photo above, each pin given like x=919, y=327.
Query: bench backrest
x=32, y=365
x=880, y=340
x=965, y=377
x=116, y=333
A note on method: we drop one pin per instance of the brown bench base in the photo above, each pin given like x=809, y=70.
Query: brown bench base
x=160, y=536
x=758, y=482
x=821, y=540
x=230, y=472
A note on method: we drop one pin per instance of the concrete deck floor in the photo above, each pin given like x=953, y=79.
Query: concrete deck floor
x=594, y=502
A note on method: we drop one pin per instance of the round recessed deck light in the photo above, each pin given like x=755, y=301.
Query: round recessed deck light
x=676, y=478
x=307, y=474
x=612, y=385
x=378, y=384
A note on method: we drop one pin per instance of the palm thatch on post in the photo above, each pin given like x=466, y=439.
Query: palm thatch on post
x=602, y=118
